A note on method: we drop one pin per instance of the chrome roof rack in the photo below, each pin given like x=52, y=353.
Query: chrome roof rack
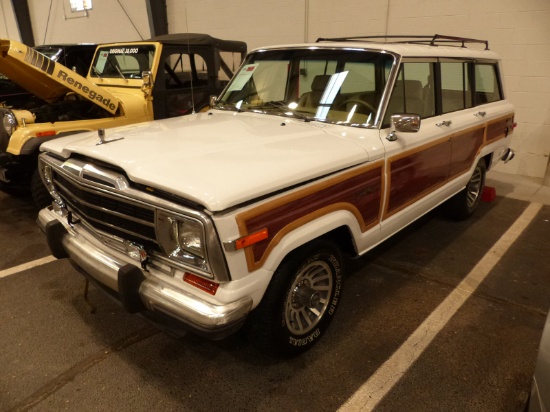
x=435, y=40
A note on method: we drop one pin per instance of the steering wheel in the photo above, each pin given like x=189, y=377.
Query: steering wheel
x=360, y=103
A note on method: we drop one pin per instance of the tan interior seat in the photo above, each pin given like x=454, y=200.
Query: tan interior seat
x=312, y=99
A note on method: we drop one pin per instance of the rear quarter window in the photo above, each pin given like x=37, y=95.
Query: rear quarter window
x=487, y=85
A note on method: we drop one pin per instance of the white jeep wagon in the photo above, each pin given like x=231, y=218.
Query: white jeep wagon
x=242, y=215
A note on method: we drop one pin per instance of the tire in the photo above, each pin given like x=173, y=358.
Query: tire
x=300, y=302
x=40, y=195
x=464, y=204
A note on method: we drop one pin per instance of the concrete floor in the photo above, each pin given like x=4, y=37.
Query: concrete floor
x=56, y=355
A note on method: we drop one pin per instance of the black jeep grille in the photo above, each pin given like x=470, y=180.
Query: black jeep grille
x=108, y=212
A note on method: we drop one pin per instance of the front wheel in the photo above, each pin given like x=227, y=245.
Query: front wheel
x=463, y=205
x=300, y=301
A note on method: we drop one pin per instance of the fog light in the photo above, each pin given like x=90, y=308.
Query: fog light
x=135, y=252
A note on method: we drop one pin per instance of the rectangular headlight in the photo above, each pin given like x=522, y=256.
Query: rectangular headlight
x=188, y=236
x=182, y=239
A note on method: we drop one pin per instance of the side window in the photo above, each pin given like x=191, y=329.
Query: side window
x=487, y=86
x=456, y=93
x=181, y=68
x=413, y=91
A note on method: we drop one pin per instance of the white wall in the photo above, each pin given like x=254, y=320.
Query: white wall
x=109, y=20
x=8, y=26
x=519, y=30
x=258, y=23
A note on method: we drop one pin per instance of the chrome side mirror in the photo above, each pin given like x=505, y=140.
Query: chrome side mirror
x=213, y=101
x=405, y=123
x=147, y=84
x=146, y=76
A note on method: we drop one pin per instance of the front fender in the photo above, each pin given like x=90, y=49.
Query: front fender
x=311, y=231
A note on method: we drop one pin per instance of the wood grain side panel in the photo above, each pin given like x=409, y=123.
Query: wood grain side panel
x=417, y=172
x=500, y=128
x=358, y=191
x=464, y=149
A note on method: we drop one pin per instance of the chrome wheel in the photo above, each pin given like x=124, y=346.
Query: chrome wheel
x=464, y=203
x=474, y=187
x=309, y=297
x=300, y=301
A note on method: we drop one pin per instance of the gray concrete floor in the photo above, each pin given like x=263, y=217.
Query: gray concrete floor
x=518, y=187
x=57, y=356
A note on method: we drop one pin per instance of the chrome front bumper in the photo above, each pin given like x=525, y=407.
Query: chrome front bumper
x=137, y=290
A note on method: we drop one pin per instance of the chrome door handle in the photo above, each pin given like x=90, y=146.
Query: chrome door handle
x=480, y=114
x=444, y=123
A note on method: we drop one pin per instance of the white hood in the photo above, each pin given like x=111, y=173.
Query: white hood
x=219, y=159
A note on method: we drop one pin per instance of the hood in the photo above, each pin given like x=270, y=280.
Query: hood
x=48, y=79
x=218, y=159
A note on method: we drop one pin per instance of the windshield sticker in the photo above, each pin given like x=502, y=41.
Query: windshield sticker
x=243, y=77
x=124, y=50
x=101, y=60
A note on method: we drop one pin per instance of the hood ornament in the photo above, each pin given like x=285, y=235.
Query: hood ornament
x=102, y=140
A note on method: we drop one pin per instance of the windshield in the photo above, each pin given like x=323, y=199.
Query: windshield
x=334, y=86
x=125, y=61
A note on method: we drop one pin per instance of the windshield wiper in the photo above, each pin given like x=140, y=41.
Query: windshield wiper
x=228, y=106
x=302, y=116
x=119, y=72
x=284, y=109
x=97, y=72
x=271, y=105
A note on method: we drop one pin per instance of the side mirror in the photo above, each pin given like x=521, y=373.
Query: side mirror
x=405, y=123
x=147, y=84
x=146, y=76
x=213, y=100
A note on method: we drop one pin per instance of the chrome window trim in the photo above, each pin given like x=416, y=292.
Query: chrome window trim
x=377, y=124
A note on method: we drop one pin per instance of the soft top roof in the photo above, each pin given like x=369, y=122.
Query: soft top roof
x=199, y=39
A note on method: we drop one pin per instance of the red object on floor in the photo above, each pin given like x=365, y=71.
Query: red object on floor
x=489, y=194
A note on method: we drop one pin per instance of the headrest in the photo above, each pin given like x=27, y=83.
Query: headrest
x=320, y=82
x=413, y=89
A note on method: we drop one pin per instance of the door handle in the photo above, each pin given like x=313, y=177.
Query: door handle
x=444, y=123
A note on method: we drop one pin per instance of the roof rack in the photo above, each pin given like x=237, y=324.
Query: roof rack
x=435, y=40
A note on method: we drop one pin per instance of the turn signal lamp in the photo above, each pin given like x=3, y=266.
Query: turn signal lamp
x=45, y=133
x=203, y=284
x=251, y=239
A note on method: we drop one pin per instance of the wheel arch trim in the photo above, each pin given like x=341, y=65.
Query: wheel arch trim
x=300, y=233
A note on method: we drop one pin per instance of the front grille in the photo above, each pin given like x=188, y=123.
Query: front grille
x=107, y=212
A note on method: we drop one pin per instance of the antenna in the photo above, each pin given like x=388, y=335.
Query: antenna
x=190, y=65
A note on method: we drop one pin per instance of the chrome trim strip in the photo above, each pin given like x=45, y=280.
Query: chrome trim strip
x=102, y=209
x=215, y=256
x=190, y=309
x=155, y=294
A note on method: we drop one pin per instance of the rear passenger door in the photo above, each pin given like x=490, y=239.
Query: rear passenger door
x=463, y=113
x=459, y=116
x=416, y=163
